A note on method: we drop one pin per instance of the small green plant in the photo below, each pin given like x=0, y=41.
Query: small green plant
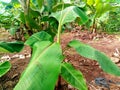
x=96, y=9
x=47, y=61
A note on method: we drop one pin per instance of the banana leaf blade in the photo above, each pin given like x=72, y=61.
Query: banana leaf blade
x=4, y=67
x=42, y=72
x=40, y=36
x=87, y=51
x=10, y=47
x=70, y=14
x=73, y=76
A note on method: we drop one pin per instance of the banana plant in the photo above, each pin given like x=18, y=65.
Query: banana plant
x=101, y=6
x=47, y=61
x=36, y=13
x=10, y=18
x=97, y=8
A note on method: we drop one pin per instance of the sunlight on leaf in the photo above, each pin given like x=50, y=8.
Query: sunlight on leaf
x=70, y=14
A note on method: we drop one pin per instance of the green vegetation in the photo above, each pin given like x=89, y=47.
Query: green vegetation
x=100, y=15
x=42, y=20
x=112, y=23
x=8, y=47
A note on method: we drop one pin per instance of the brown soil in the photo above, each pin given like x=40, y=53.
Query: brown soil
x=109, y=44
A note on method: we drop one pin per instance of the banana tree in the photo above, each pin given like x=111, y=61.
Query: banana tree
x=10, y=18
x=36, y=14
x=47, y=62
x=96, y=8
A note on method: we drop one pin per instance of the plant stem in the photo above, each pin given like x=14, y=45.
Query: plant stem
x=60, y=26
x=59, y=33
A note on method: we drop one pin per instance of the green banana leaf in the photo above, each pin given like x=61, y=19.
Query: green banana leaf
x=70, y=14
x=10, y=47
x=49, y=4
x=90, y=2
x=42, y=73
x=40, y=36
x=40, y=3
x=73, y=76
x=4, y=67
x=87, y=51
x=59, y=6
x=102, y=8
x=31, y=22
